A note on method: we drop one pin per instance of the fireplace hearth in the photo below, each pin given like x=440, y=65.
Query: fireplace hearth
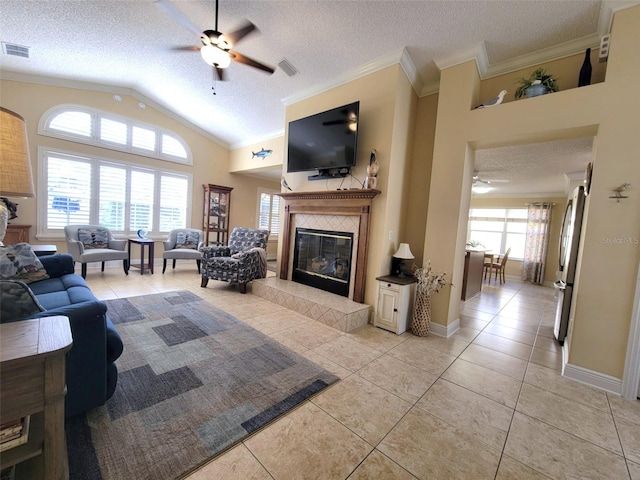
x=322, y=259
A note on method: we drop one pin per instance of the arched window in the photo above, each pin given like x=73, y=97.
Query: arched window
x=77, y=123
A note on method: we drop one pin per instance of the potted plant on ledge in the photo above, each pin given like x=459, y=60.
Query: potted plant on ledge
x=539, y=83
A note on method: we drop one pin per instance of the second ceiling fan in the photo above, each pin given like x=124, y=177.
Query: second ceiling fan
x=216, y=46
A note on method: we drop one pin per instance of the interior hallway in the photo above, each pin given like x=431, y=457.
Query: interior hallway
x=488, y=402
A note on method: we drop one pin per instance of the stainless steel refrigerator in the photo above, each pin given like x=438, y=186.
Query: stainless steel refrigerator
x=567, y=259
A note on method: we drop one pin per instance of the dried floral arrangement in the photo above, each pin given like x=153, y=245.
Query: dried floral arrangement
x=429, y=281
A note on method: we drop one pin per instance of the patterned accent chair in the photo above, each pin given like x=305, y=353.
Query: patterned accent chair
x=243, y=260
x=183, y=243
x=94, y=243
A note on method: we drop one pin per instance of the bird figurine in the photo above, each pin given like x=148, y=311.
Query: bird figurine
x=283, y=182
x=618, y=191
x=494, y=101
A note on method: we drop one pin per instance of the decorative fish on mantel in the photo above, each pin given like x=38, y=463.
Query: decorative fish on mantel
x=262, y=153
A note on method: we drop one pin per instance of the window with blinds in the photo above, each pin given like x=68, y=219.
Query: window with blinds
x=498, y=229
x=269, y=212
x=122, y=197
x=95, y=127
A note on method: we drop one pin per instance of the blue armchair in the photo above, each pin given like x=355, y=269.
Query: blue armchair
x=241, y=261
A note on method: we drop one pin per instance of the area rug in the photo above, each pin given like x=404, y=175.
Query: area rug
x=193, y=381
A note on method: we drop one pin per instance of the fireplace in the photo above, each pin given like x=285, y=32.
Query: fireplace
x=322, y=259
x=331, y=210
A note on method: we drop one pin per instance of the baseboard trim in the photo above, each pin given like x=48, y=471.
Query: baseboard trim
x=593, y=379
x=442, y=331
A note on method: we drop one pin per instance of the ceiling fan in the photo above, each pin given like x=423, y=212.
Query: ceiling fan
x=477, y=180
x=216, y=46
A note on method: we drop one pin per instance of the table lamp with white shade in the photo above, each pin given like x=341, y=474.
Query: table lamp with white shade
x=398, y=261
x=15, y=164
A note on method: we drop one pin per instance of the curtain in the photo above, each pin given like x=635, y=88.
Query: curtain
x=537, y=241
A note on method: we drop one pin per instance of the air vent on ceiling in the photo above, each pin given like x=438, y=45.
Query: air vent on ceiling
x=287, y=68
x=15, y=50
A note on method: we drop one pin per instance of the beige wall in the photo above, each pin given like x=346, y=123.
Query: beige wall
x=385, y=98
x=210, y=160
x=514, y=267
x=420, y=175
x=241, y=159
x=607, y=274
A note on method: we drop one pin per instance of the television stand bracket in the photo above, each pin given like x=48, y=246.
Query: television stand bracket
x=329, y=174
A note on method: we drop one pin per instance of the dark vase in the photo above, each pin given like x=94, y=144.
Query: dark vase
x=585, y=71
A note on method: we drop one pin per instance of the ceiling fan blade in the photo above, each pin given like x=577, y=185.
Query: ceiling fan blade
x=238, y=57
x=497, y=180
x=186, y=48
x=178, y=16
x=234, y=37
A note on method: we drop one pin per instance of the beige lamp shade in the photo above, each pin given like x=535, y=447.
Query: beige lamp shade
x=404, y=252
x=15, y=164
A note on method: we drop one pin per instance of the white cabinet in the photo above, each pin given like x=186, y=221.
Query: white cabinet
x=395, y=303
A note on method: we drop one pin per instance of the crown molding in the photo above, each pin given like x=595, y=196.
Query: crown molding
x=358, y=72
x=253, y=141
x=477, y=52
x=113, y=89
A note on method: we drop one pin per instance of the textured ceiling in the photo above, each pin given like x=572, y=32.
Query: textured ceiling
x=127, y=44
x=534, y=168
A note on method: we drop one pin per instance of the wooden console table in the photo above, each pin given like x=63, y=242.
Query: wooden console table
x=32, y=382
x=16, y=234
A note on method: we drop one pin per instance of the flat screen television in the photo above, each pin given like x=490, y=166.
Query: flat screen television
x=326, y=142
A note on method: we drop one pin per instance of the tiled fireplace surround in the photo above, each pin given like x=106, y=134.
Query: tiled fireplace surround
x=342, y=211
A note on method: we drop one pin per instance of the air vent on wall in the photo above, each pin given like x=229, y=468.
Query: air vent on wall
x=15, y=50
x=287, y=68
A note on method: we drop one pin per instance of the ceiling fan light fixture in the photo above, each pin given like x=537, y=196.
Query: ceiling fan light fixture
x=480, y=189
x=215, y=57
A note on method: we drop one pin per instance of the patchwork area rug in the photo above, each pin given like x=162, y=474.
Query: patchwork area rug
x=193, y=381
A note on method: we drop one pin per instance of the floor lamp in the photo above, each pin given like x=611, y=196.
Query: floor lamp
x=15, y=164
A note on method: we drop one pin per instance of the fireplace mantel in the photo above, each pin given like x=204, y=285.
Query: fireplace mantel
x=331, y=202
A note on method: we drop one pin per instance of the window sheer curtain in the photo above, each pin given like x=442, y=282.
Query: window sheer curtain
x=537, y=242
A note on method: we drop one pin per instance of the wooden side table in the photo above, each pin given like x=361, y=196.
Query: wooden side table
x=32, y=381
x=142, y=242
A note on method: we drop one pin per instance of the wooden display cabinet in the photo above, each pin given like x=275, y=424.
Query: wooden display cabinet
x=217, y=205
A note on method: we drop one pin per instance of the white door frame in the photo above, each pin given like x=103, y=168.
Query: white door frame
x=631, y=377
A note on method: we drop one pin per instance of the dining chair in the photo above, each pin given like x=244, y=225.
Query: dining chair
x=500, y=265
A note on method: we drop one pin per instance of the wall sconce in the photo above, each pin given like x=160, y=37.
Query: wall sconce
x=398, y=260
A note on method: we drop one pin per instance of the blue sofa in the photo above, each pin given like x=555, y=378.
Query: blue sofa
x=91, y=370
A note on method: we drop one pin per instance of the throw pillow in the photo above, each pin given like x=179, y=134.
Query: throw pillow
x=187, y=240
x=94, y=237
x=18, y=262
x=17, y=301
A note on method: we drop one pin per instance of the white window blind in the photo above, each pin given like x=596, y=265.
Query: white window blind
x=141, y=200
x=173, y=202
x=172, y=146
x=269, y=213
x=113, y=196
x=96, y=127
x=113, y=131
x=143, y=138
x=498, y=229
x=122, y=197
x=76, y=123
x=68, y=198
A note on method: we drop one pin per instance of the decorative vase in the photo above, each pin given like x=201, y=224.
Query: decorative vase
x=535, y=90
x=421, y=315
x=585, y=71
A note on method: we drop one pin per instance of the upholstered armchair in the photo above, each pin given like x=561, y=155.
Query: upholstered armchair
x=94, y=243
x=242, y=260
x=183, y=243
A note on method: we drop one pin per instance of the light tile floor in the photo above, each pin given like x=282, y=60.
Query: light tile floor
x=487, y=403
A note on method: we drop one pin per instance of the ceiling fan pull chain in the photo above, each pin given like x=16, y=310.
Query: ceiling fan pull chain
x=213, y=85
